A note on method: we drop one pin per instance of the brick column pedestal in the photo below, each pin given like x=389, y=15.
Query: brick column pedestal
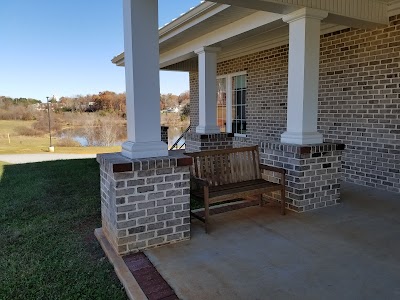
x=144, y=202
x=201, y=142
x=313, y=172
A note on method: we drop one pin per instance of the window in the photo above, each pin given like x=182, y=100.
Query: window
x=231, y=103
x=221, y=104
x=239, y=104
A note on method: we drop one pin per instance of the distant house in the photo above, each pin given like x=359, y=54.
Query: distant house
x=43, y=106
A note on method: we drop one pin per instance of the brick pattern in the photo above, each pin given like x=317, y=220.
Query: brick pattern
x=267, y=78
x=164, y=134
x=313, y=173
x=149, y=279
x=201, y=142
x=358, y=100
x=145, y=202
x=240, y=141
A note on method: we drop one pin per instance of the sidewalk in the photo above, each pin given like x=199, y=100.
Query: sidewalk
x=32, y=158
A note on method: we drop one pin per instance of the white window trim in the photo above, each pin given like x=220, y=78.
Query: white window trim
x=228, y=80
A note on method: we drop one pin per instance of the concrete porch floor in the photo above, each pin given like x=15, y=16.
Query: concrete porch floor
x=350, y=251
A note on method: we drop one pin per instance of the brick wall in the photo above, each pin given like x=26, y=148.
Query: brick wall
x=201, y=142
x=267, y=77
x=359, y=99
x=144, y=202
x=313, y=173
x=360, y=104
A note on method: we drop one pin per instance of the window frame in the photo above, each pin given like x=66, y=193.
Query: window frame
x=229, y=99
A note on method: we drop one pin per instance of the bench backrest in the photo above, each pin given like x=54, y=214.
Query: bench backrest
x=220, y=167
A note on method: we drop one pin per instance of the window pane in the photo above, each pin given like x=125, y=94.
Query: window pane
x=239, y=85
x=221, y=104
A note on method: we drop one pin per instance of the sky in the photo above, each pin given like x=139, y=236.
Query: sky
x=65, y=47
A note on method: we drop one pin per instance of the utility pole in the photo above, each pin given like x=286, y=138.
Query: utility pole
x=51, y=148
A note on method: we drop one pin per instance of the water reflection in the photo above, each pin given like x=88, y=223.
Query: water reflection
x=95, y=136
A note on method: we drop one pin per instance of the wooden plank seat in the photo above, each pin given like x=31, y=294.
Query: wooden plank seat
x=223, y=175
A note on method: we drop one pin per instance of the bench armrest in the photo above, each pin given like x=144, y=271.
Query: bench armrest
x=199, y=181
x=272, y=169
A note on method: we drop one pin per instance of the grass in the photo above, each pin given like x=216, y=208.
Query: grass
x=2, y=164
x=48, y=212
x=37, y=144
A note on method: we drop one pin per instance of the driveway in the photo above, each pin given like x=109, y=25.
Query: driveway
x=32, y=158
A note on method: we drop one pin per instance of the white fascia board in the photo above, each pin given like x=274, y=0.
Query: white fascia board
x=193, y=17
x=243, y=25
x=119, y=60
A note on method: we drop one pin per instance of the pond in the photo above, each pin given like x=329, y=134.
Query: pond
x=98, y=136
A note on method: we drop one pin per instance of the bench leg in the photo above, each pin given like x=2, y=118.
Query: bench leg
x=206, y=210
x=283, y=194
x=283, y=201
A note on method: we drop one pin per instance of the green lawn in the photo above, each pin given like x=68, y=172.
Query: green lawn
x=48, y=212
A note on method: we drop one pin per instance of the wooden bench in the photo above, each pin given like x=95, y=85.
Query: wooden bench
x=222, y=175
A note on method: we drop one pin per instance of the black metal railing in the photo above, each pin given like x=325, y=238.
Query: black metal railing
x=175, y=145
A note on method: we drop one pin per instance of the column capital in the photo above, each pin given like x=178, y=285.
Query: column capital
x=305, y=12
x=207, y=50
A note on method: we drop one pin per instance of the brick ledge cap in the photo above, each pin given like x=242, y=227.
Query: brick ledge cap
x=119, y=163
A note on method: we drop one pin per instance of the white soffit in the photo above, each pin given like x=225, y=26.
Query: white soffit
x=394, y=7
x=241, y=30
x=255, y=23
x=348, y=12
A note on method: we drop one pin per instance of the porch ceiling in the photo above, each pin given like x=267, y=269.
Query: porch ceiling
x=356, y=13
x=228, y=23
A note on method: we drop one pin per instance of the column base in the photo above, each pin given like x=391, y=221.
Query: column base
x=313, y=173
x=143, y=150
x=196, y=142
x=145, y=203
x=302, y=138
x=208, y=129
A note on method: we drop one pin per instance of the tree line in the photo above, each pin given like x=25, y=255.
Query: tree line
x=105, y=102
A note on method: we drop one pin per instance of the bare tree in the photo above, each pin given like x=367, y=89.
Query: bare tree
x=90, y=130
x=108, y=134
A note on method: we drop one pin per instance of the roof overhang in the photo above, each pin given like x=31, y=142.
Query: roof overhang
x=356, y=13
x=242, y=26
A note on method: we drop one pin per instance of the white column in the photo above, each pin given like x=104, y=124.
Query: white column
x=304, y=49
x=207, y=90
x=142, y=80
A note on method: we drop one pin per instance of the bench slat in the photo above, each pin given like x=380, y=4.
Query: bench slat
x=238, y=185
x=233, y=191
x=215, y=152
x=232, y=174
